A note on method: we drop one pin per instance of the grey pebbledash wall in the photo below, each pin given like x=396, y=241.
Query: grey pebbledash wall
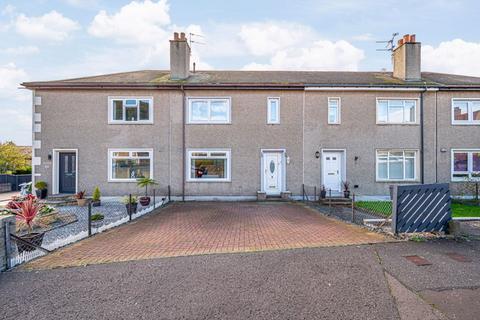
x=4, y=233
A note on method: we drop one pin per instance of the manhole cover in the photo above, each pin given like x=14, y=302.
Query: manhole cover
x=419, y=261
x=458, y=257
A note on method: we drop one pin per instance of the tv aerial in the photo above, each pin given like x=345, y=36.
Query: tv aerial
x=389, y=44
x=193, y=38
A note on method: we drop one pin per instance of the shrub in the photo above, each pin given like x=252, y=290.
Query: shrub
x=80, y=195
x=96, y=194
x=97, y=217
x=126, y=200
x=41, y=185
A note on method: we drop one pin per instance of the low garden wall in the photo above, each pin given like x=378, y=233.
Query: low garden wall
x=5, y=238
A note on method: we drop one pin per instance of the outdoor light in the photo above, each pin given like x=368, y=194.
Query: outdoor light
x=443, y=150
x=317, y=154
x=356, y=158
x=49, y=156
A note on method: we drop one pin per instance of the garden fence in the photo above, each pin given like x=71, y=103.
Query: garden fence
x=10, y=182
x=68, y=223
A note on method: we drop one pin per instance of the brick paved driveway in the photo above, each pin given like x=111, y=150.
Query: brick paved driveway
x=201, y=228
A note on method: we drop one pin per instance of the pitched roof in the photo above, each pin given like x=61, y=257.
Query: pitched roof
x=160, y=78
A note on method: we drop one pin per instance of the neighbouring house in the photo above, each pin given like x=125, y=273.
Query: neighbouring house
x=213, y=134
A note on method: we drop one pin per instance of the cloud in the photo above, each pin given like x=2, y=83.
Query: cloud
x=266, y=38
x=51, y=26
x=21, y=50
x=10, y=79
x=136, y=22
x=456, y=56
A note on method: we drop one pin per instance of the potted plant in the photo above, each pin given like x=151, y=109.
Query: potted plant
x=131, y=205
x=96, y=197
x=144, y=183
x=97, y=219
x=26, y=212
x=41, y=189
x=81, y=200
x=346, y=189
x=323, y=192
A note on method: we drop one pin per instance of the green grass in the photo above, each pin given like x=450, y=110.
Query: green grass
x=385, y=208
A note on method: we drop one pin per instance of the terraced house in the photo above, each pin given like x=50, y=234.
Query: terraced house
x=237, y=134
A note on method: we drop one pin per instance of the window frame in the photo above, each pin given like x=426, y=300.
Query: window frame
x=416, y=116
x=269, y=121
x=469, y=122
x=469, y=171
x=415, y=166
x=228, y=177
x=110, y=165
x=190, y=100
x=339, y=108
x=111, y=111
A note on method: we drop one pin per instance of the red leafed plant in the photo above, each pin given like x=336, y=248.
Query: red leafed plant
x=27, y=211
x=80, y=195
x=17, y=201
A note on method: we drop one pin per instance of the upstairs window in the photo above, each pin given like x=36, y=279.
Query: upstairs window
x=131, y=110
x=273, y=111
x=333, y=110
x=465, y=165
x=208, y=110
x=396, y=111
x=465, y=111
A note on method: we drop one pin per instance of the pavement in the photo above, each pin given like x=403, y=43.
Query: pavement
x=191, y=228
x=6, y=196
x=350, y=282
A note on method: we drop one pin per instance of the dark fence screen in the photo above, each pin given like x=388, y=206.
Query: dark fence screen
x=421, y=208
x=9, y=182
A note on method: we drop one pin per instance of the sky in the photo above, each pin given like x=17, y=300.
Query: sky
x=59, y=39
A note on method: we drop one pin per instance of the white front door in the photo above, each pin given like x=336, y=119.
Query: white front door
x=332, y=175
x=272, y=167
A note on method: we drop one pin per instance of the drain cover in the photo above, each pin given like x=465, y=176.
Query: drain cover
x=458, y=257
x=419, y=261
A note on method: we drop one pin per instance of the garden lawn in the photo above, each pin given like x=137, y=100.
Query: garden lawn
x=385, y=208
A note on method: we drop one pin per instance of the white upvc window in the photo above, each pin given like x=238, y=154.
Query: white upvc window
x=465, y=164
x=130, y=110
x=466, y=111
x=127, y=165
x=334, y=111
x=396, y=111
x=208, y=165
x=273, y=110
x=396, y=165
x=209, y=110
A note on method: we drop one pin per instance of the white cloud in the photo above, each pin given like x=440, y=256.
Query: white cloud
x=10, y=79
x=455, y=56
x=51, y=26
x=266, y=38
x=137, y=22
x=21, y=50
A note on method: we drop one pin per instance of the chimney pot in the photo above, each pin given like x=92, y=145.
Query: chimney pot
x=175, y=36
x=412, y=38
x=406, y=38
x=182, y=36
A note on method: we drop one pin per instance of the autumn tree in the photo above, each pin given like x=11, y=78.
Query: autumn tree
x=12, y=158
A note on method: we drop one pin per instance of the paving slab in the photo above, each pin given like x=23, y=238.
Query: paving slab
x=183, y=229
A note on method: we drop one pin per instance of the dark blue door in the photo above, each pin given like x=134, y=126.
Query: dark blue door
x=67, y=172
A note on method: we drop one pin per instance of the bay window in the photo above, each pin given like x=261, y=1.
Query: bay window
x=465, y=165
x=396, y=165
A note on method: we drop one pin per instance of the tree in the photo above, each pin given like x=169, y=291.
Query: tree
x=12, y=158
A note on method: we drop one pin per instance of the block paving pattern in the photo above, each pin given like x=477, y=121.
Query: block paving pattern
x=195, y=228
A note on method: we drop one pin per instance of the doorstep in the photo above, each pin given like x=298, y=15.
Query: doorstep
x=284, y=195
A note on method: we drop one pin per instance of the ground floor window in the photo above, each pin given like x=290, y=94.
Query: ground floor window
x=209, y=165
x=396, y=165
x=130, y=164
x=465, y=165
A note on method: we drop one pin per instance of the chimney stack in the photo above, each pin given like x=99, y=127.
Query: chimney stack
x=407, y=59
x=179, y=57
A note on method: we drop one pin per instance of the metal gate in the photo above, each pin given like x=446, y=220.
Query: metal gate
x=421, y=208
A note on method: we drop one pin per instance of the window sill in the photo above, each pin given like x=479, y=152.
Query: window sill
x=398, y=181
x=333, y=123
x=397, y=124
x=131, y=122
x=208, y=181
x=215, y=123
x=465, y=123
x=122, y=181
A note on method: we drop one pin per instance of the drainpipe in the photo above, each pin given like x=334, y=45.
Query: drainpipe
x=422, y=148
x=183, y=143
